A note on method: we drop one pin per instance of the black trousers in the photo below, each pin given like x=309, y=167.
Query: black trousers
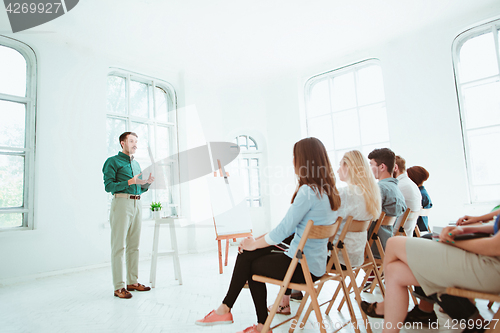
x=261, y=262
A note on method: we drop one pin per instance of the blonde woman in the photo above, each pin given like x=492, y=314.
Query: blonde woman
x=360, y=199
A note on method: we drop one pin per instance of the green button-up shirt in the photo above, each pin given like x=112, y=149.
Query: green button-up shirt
x=117, y=170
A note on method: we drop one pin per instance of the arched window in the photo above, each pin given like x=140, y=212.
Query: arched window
x=345, y=109
x=17, y=142
x=147, y=107
x=476, y=59
x=247, y=165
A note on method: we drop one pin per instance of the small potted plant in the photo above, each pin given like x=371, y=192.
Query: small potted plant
x=156, y=208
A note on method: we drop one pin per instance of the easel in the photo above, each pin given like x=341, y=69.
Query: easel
x=220, y=238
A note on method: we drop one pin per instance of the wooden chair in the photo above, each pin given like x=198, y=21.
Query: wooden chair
x=374, y=238
x=494, y=324
x=335, y=268
x=369, y=265
x=408, y=218
x=311, y=232
x=423, y=212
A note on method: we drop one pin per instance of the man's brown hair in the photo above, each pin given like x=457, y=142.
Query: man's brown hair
x=124, y=136
x=385, y=156
x=401, y=163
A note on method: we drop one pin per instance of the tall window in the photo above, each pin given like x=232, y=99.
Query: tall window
x=476, y=58
x=345, y=109
x=247, y=165
x=147, y=107
x=17, y=142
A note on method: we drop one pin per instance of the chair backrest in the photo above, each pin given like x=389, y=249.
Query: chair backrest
x=349, y=226
x=382, y=220
x=408, y=218
x=317, y=232
x=388, y=220
x=323, y=231
x=353, y=226
x=424, y=212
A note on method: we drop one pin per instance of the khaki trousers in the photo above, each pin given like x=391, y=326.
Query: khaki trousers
x=125, y=219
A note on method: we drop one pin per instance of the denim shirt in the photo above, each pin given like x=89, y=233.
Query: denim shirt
x=306, y=206
x=393, y=201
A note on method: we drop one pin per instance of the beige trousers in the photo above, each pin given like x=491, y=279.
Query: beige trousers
x=125, y=219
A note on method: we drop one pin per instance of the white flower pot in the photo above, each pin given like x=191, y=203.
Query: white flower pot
x=156, y=214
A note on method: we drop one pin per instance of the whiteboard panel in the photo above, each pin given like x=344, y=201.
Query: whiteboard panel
x=229, y=207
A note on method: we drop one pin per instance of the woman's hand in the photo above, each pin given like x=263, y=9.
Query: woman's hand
x=468, y=220
x=448, y=234
x=247, y=244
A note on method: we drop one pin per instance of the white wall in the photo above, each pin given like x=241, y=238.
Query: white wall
x=71, y=228
x=70, y=203
x=422, y=109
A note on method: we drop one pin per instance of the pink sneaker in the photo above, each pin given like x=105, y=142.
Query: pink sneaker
x=214, y=319
x=252, y=329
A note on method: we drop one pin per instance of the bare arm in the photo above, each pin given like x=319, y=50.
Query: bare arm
x=251, y=244
x=474, y=219
x=486, y=246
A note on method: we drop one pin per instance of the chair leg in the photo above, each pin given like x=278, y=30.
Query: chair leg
x=350, y=307
x=334, y=297
x=357, y=295
x=341, y=305
x=220, y=256
x=495, y=323
x=378, y=277
x=299, y=312
x=272, y=313
x=227, y=251
x=317, y=311
x=410, y=289
x=349, y=288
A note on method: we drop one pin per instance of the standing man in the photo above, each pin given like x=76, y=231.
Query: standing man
x=121, y=178
x=413, y=197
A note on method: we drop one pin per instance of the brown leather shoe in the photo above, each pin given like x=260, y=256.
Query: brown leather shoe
x=122, y=293
x=140, y=287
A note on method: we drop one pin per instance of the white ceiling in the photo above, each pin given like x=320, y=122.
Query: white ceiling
x=247, y=38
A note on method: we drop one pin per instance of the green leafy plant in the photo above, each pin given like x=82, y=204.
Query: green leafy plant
x=155, y=206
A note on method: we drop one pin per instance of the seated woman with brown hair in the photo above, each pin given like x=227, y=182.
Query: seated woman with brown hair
x=419, y=175
x=317, y=199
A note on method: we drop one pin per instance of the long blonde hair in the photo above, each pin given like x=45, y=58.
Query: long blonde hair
x=360, y=174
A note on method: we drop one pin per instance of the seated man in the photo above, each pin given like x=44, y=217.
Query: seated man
x=411, y=193
x=393, y=202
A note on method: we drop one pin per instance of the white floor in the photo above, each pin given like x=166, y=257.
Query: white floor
x=84, y=302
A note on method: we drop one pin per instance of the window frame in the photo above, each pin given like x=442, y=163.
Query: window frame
x=493, y=27
x=250, y=154
x=30, y=100
x=354, y=67
x=152, y=122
